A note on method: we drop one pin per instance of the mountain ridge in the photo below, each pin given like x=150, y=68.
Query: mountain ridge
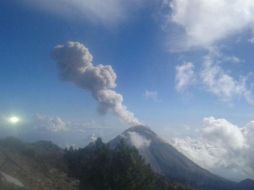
x=32, y=166
x=168, y=161
x=25, y=163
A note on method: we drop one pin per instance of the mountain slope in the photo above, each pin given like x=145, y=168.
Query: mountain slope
x=167, y=161
x=246, y=184
x=25, y=166
x=98, y=167
x=45, y=166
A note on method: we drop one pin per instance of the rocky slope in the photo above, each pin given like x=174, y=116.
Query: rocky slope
x=37, y=166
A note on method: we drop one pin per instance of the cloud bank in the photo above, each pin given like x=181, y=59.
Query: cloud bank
x=206, y=22
x=74, y=63
x=221, y=147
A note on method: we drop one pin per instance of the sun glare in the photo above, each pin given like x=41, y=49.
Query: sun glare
x=14, y=119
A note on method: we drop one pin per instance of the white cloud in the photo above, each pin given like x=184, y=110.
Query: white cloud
x=74, y=62
x=52, y=124
x=138, y=140
x=221, y=147
x=106, y=11
x=213, y=78
x=218, y=130
x=233, y=59
x=203, y=153
x=151, y=95
x=185, y=76
x=221, y=83
x=206, y=22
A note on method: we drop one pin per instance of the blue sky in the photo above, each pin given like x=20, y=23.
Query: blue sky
x=144, y=43
x=137, y=50
x=132, y=48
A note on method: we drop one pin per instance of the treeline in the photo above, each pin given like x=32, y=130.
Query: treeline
x=99, y=167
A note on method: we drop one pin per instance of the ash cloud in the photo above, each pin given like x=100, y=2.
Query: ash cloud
x=75, y=64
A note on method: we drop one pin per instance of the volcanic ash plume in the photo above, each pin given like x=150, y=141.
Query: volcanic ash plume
x=74, y=62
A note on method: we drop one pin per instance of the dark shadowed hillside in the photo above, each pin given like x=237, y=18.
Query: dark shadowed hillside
x=99, y=167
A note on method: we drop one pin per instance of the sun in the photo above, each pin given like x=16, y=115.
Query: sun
x=13, y=119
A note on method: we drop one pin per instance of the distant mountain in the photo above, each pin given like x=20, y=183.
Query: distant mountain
x=167, y=161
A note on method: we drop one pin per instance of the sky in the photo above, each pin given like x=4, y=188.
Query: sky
x=73, y=70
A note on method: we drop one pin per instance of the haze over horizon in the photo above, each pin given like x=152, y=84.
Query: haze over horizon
x=74, y=70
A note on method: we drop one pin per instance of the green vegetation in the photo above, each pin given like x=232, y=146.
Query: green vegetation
x=99, y=167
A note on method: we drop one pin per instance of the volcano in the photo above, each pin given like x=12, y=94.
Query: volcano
x=169, y=162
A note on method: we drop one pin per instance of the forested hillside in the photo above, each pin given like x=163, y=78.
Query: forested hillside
x=100, y=167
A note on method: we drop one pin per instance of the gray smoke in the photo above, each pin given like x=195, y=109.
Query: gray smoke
x=74, y=62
